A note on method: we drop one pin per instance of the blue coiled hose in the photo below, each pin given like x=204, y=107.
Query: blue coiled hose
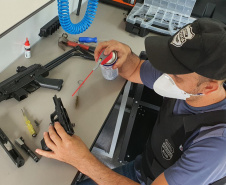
x=83, y=25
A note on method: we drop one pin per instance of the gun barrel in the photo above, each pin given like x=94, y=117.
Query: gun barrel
x=54, y=63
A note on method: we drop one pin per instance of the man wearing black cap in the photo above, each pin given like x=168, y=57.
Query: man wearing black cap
x=188, y=142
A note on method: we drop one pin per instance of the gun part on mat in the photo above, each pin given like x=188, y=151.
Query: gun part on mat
x=11, y=150
x=76, y=97
x=36, y=123
x=59, y=115
x=20, y=142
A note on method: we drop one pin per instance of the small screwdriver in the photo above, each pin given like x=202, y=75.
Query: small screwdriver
x=29, y=125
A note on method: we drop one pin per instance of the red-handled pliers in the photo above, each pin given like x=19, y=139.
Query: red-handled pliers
x=63, y=41
x=83, y=46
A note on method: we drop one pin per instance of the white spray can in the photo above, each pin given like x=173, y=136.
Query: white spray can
x=107, y=71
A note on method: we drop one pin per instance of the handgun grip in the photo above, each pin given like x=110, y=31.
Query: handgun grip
x=49, y=83
x=44, y=146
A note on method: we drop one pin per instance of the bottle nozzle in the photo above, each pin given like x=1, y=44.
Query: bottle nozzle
x=27, y=42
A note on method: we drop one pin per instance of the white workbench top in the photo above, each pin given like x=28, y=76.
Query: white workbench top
x=96, y=99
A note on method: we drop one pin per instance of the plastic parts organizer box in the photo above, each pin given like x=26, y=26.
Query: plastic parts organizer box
x=162, y=16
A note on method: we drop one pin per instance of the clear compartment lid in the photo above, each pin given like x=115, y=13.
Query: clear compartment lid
x=181, y=6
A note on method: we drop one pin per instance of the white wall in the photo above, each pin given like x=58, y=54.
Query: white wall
x=11, y=45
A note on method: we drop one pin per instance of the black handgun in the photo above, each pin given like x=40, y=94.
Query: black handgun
x=11, y=150
x=59, y=115
x=29, y=79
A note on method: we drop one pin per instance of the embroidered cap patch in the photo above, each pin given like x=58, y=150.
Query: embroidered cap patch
x=182, y=36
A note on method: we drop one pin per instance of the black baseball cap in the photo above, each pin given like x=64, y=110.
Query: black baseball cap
x=198, y=47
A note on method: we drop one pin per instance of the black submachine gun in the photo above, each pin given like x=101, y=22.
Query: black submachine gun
x=29, y=79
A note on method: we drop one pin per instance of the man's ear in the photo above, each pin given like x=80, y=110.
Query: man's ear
x=210, y=87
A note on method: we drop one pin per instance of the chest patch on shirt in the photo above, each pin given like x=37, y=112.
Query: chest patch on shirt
x=167, y=150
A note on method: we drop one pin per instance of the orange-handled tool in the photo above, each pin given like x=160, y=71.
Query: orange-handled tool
x=85, y=47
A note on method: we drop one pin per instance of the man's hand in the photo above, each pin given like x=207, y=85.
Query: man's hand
x=66, y=148
x=122, y=51
x=128, y=63
x=72, y=150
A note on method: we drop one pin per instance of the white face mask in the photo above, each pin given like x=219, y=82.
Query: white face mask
x=166, y=87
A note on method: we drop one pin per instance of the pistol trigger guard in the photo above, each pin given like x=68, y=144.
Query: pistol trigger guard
x=52, y=116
